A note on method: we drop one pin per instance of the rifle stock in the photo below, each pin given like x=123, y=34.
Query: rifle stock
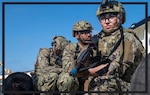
x=85, y=55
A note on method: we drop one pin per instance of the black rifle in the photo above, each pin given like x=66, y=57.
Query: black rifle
x=97, y=60
x=85, y=55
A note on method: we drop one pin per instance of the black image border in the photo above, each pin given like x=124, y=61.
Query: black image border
x=83, y=92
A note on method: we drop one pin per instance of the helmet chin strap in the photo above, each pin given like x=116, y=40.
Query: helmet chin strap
x=82, y=41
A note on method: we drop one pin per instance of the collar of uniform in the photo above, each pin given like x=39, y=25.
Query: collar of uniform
x=82, y=47
x=116, y=32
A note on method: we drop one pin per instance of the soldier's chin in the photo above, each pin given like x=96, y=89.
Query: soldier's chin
x=108, y=31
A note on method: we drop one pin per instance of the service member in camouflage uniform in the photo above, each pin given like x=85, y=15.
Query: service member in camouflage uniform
x=121, y=51
x=70, y=79
x=49, y=65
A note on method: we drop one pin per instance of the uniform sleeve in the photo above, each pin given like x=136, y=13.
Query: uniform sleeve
x=43, y=62
x=68, y=57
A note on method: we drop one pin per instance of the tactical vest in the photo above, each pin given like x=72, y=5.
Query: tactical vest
x=124, y=46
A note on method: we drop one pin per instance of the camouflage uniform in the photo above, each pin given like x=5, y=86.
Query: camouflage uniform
x=47, y=69
x=67, y=82
x=120, y=69
x=124, y=60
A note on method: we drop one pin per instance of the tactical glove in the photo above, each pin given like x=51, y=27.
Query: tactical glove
x=73, y=72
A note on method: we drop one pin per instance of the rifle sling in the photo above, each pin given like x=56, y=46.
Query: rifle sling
x=118, y=43
x=105, y=69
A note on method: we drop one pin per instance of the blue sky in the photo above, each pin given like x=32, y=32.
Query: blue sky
x=29, y=27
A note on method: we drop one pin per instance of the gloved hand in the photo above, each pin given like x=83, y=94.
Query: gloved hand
x=73, y=72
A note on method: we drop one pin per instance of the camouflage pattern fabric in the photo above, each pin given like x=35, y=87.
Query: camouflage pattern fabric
x=120, y=71
x=46, y=71
x=65, y=81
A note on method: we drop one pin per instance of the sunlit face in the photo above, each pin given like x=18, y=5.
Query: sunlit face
x=55, y=46
x=109, y=22
x=83, y=36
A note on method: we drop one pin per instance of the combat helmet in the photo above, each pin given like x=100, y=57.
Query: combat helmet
x=60, y=41
x=81, y=26
x=111, y=6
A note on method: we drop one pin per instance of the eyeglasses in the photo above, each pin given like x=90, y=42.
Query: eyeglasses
x=109, y=16
x=53, y=43
x=85, y=32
